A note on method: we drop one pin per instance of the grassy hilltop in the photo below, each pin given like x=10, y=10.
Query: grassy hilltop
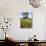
x=26, y=23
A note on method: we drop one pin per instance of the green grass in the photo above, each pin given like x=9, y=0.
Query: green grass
x=26, y=23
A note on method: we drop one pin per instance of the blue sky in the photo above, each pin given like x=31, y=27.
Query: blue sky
x=30, y=14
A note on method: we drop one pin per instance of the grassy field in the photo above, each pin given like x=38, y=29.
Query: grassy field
x=26, y=23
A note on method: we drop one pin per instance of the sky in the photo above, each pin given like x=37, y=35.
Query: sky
x=30, y=14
